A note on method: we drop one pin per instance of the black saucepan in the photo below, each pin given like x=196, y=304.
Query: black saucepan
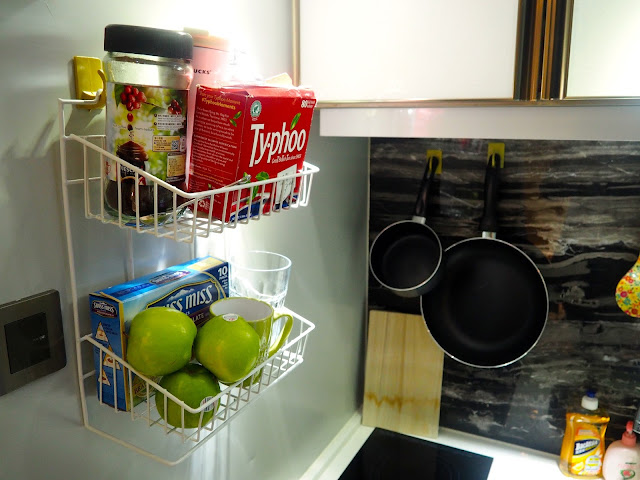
x=491, y=306
x=406, y=256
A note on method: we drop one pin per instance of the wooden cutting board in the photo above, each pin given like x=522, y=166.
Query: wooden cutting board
x=403, y=375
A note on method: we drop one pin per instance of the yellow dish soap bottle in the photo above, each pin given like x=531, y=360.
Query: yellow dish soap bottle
x=583, y=445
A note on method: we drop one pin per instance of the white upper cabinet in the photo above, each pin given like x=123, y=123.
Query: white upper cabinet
x=372, y=50
x=604, y=52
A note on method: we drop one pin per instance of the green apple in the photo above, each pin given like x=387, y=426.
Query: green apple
x=194, y=385
x=228, y=347
x=160, y=341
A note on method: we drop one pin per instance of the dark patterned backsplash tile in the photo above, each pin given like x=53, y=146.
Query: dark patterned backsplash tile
x=574, y=208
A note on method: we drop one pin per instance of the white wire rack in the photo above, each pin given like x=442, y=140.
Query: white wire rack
x=142, y=428
x=189, y=215
x=230, y=401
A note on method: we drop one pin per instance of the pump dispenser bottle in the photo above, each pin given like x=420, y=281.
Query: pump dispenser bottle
x=622, y=458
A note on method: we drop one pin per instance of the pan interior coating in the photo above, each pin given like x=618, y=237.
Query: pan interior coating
x=406, y=255
x=409, y=261
x=491, y=305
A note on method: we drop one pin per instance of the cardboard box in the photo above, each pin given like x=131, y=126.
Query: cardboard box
x=190, y=287
x=260, y=131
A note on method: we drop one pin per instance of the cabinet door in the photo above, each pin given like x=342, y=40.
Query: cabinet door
x=359, y=50
x=604, y=49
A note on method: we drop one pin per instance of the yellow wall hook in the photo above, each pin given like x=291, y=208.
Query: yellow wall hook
x=90, y=81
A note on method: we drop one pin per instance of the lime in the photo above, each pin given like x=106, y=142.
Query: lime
x=228, y=347
x=194, y=385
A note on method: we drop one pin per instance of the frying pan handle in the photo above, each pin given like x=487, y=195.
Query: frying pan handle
x=420, y=209
x=489, y=220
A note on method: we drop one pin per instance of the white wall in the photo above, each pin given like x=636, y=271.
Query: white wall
x=279, y=435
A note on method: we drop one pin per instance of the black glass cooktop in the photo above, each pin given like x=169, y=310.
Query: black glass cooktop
x=388, y=455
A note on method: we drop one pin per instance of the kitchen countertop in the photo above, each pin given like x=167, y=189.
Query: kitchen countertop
x=509, y=461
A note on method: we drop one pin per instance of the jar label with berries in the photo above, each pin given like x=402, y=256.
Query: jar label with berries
x=146, y=127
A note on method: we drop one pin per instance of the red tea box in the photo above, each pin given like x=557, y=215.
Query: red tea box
x=257, y=131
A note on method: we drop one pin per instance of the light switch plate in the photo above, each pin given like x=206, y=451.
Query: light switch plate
x=31, y=340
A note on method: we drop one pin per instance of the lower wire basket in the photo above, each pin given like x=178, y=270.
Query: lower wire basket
x=144, y=430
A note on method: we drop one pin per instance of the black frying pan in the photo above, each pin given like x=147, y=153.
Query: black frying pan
x=491, y=306
x=406, y=256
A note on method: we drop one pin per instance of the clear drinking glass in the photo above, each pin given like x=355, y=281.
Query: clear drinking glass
x=262, y=275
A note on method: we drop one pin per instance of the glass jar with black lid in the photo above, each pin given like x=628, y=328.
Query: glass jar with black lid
x=148, y=72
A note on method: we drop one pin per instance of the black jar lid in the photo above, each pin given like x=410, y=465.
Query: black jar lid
x=148, y=41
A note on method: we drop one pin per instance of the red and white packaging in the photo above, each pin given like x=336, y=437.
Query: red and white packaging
x=211, y=59
x=259, y=131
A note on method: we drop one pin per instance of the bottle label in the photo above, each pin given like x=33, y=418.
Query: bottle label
x=624, y=471
x=146, y=126
x=583, y=447
x=588, y=450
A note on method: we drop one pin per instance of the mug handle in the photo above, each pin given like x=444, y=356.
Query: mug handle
x=284, y=334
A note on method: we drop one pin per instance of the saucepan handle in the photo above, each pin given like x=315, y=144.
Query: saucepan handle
x=489, y=220
x=420, y=209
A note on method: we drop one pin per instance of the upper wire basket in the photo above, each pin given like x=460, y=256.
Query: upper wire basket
x=188, y=215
